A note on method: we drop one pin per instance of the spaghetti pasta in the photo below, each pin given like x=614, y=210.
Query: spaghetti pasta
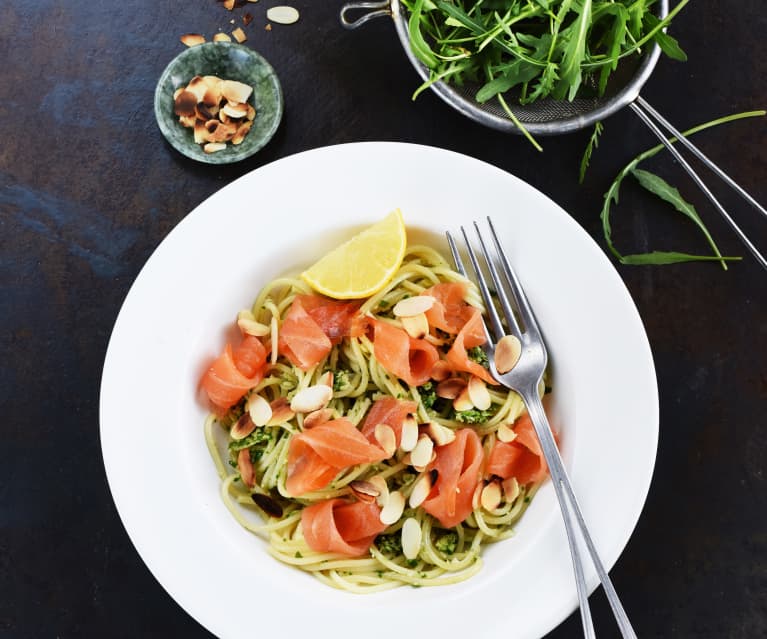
x=363, y=388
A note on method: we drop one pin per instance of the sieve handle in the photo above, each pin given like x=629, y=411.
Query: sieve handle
x=381, y=8
x=645, y=111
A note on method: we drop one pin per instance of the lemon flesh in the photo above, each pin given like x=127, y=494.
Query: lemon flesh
x=363, y=265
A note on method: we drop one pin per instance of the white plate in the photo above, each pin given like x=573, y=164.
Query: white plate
x=281, y=218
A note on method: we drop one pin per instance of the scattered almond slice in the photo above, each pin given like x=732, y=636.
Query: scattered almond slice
x=192, y=39
x=229, y=4
x=221, y=37
x=239, y=35
x=214, y=147
x=282, y=15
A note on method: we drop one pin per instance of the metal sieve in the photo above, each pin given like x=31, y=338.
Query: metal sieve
x=551, y=117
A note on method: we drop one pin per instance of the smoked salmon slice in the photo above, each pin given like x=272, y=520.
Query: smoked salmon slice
x=337, y=319
x=336, y=525
x=301, y=339
x=234, y=373
x=521, y=458
x=458, y=465
x=450, y=312
x=472, y=334
x=408, y=358
x=390, y=411
x=317, y=455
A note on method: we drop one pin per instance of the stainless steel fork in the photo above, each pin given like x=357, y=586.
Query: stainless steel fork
x=525, y=378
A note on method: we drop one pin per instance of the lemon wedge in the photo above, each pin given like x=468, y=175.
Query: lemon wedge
x=363, y=265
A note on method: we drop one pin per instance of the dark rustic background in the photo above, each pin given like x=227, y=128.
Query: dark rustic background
x=88, y=188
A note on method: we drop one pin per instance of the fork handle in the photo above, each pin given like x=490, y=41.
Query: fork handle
x=572, y=515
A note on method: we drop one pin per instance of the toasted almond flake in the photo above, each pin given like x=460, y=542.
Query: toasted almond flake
x=268, y=27
x=421, y=489
x=187, y=121
x=212, y=96
x=393, y=509
x=476, y=495
x=203, y=113
x=213, y=147
x=239, y=35
x=200, y=132
x=364, y=490
x=411, y=538
x=282, y=15
x=242, y=428
x=463, y=401
x=223, y=132
x=251, y=114
x=242, y=131
x=412, y=306
x=409, y=436
x=259, y=409
x=417, y=326
x=311, y=398
x=270, y=506
x=245, y=466
x=440, y=371
x=252, y=327
x=326, y=379
x=177, y=93
x=450, y=388
x=185, y=103
x=510, y=489
x=221, y=37
x=198, y=86
x=237, y=92
x=386, y=438
x=192, y=39
x=223, y=117
x=247, y=19
x=229, y=4
x=491, y=496
x=281, y=412
x=507, y=353
x=235, y=110
x=421, y=454
x=317, y=417
x=440, y=435
x=505, y=434
x=383, y=490
x=478, y=393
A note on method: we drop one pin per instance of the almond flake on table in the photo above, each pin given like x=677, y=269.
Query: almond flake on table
x=282, y=14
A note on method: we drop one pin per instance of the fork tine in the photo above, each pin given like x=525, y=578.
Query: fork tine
x=492, y=313
x=500, y=289
x=456, y=255
x=525, y=311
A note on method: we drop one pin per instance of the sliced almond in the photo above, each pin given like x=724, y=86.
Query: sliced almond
x=421, y=489
x=416, y=326
x=507, y=353
x=412, y=306
x=242, y=131
x=510, y=489
x=251, y=114
x=411, y=538
x=386, y=438
x=188, y=121
x=450, y=388
x=270, y=506
x=192, y=39
x=242, y=428
x=326, y=379
x=198, y=86
x=282, y=15
x=463, y=401
x=213, y=147
x=229, y=4
x=212, y=97
x=393, y=509
x=185, y=103
x=440, y=435
x=311, y=398
x=221, y=37
x=200, y=132
x=203, y=113
x=505, y=434
x=420, y=456
x=281, y=412
x=364, y=490
x=383, y=490
x=239, y=35
x=245, y=466
x=223, y=132
x=252, y=327
x=247, y=19
x=491, y=496
x=259, y=409
x=177, y=92
x=234, y=91
x=235, y=110
x=317, y=417
x=409, y=436
x=478, y=393
x=440, y=371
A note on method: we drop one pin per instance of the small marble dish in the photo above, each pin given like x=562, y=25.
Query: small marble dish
x=227, y=61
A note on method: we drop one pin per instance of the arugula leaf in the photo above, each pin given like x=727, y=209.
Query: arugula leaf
x=593, y=144
x=417, y=42
x=667, y=44
x=570, y=75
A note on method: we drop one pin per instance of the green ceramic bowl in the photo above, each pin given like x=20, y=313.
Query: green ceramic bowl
x=228, y=61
